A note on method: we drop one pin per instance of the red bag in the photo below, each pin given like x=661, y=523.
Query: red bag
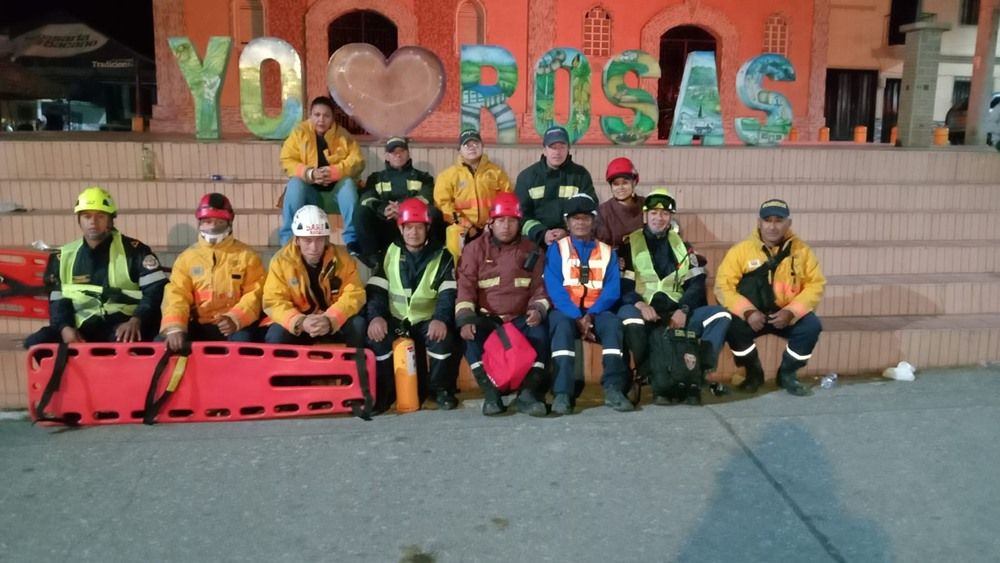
x=507, y=357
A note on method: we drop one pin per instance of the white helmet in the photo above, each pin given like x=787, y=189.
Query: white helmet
x=310, y=221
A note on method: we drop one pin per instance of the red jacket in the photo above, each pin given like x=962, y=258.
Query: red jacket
x=492, y=279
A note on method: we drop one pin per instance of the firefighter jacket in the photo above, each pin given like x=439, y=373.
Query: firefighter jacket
x=289, y=294
x=394, y=184
x=208, y=281
x=798, y=281
x=464, y=197
x=300, y=153
x=120, y=275
x=574, y=291
x=542, y=191
x=413, y=286
x=493, y=280
x=663, y=272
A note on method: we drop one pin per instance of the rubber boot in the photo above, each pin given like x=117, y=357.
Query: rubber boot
x=492, y=404
x=754, y=372
x=788, y=378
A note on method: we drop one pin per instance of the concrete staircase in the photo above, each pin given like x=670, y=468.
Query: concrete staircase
x=909, y=239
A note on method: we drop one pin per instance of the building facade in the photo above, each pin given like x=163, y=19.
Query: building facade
x=667, y=29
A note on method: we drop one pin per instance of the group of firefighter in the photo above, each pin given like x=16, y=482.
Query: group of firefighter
x=514, y=277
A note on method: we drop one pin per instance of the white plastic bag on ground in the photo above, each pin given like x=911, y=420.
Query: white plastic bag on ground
x=902, y=372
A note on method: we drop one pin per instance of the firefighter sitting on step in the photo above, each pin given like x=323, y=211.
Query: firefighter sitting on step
x=500, y=277
x=313, y=293
x=105, y=287
x=663, y=286
x=583, y=281
x=464, y=191
x=412, y=293
x=215, y=285
x=384, y=191
x=772, y=282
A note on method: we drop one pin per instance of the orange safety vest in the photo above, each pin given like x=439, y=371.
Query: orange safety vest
x=584, y=282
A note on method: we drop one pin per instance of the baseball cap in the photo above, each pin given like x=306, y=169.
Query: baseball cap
x=555, y=135
x=774, y=208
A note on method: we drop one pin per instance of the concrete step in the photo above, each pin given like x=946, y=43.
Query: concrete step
x=110, y=157
x=51, y=195
x=854, y=258
x=700, y=226
x=848, y=346
x=693, y=198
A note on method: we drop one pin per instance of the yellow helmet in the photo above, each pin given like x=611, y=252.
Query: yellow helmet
x=660, y=198
x=95, y=198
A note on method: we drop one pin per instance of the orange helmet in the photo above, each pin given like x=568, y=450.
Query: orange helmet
x=214, y=206
x=413, y=210
x=505, y=204
x=620, y=167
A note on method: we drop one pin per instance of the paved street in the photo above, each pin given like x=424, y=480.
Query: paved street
x=868, y=471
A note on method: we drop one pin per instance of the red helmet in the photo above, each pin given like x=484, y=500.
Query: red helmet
x=413, y=210
x=619, y=167
x=214, y=206
x=505, y=204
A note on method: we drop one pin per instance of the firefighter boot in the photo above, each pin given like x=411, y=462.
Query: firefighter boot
x=754, y=372
x=492, y=404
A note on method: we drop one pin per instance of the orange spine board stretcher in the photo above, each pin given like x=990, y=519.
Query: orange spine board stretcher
x=222, y=381
x=22, y=283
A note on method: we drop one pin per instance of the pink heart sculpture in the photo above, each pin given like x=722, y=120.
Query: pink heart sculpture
x=387, y=98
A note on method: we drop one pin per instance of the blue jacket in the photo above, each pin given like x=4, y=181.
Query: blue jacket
x=558, y=294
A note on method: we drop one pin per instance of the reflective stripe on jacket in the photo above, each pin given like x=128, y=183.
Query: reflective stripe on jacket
x=90, y=300
x=208, y=281
x=299, y=152
x=584, y=282
x=647, y=281
x=287, y=294
x=415, y=305
x=464, y=197
x=798, y=282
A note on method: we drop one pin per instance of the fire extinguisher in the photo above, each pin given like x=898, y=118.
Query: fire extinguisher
x=404, y=363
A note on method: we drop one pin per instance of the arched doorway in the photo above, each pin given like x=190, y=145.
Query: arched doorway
x=361, y=26
x=675, y=45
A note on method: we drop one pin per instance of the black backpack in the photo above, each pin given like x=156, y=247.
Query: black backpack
x=676, y=357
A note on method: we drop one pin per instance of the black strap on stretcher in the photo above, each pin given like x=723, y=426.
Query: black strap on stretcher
x=363, y=410
x=154, y=404
x=62, y=356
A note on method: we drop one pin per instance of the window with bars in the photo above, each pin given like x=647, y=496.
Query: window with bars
x=969, y=12
x=776, y=35
x=469, y=25
x=597, y=32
